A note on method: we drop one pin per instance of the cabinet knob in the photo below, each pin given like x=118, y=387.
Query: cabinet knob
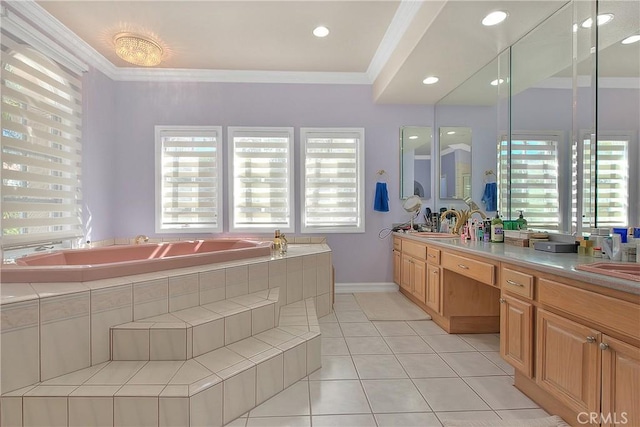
x=604, y=346
x=591, y=340
x=502, y=300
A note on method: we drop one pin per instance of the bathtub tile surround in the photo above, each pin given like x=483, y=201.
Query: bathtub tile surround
x=141, y=352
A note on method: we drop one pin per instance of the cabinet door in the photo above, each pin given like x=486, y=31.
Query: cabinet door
x=397, y=267
x=406, y=272
x=432, y=294
x=516, y=333
x=419, y=279
x=620, y=383
x=568, y=361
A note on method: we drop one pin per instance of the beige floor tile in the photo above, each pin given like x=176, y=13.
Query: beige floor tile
x=426, y=327
x=291, y=401
x=329, y=330
x=279, y=422
x=334, y=346
x=351, y=316
x=394, y=396
x=330, y=318
x=362, y=420
x=390, y=329
x=495, y=357
x=367, y=345
x=378, y=366
x=335, y=368
x=238, y=422
x=522, y=414
x=471, y=364
x=500, y=393
x=340, y=306
x=338, y=397
x=345, y=298
x=449, y=394
x=447, y=343
x=410, y=344
x=467, y=416
x=414, y=419
x=482, y=342
x=361, y=329
x=425, y=366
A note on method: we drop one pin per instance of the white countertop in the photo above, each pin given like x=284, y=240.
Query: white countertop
x=555, y=263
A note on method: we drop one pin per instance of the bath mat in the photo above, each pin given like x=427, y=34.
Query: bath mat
x=389, y=306
x=554, y=421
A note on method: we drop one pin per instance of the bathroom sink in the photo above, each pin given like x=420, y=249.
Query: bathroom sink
x=435, y=235
x=621, y=270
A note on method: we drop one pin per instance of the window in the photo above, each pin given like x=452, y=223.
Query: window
x=41, y=147
x=332, y=180
x=188, y=179
x=533, y=176
x=612, y=181
x=261, y=179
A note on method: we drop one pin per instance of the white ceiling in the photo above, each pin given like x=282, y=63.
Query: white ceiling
x=390, y=44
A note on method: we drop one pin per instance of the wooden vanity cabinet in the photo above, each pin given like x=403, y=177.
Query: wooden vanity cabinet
x=620, y=382
x=397, y=261
x=516, y=333
x=414, y=269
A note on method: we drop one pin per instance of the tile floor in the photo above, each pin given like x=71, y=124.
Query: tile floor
x=396, y=374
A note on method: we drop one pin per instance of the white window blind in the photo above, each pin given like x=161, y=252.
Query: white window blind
x=41, y=147
x=612, y=181
x=188, y=179
x=332, y=180
x=532, y=178
x=261, y=178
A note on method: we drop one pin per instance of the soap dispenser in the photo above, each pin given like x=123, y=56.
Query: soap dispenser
x=522, y=223
x=497, y=230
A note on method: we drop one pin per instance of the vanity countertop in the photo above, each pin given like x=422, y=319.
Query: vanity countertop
x=561, y=264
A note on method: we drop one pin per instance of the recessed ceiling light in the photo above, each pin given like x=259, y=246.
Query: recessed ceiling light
x=631, y=39
x=451, y=132
x=430, y=80
x=413, y=137
x=497, y=82
x=321, y=31
x=494, y=18
x=601, y=19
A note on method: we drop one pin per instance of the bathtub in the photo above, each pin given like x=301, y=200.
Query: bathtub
x=82, y=265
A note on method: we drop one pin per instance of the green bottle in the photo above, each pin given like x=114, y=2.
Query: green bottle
x=522, y=223
x=497, y=230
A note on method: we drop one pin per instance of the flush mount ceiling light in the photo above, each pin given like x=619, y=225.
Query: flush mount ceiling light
x=497, y=82
x=413, y=137
x=138, y=50
x=430, y=80
x=631, y=39
x=601, y=20
x=451, y=132
x=494, y=18
x=321, y=31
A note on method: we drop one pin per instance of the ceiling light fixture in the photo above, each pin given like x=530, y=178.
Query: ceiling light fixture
x=631, y=39
x=601, y=20
x=451, y=132
x=497, y=82
x=413, y=137
x=494, y=18
x=138, y=50
x=321, y=31
x=430, y=80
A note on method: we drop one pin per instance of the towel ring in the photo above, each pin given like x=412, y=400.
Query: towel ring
x=487, y=176
x=382, y=175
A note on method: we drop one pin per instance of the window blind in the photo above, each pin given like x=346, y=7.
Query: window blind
x=41, y=147
x=261, y=178
x=332, y=180
x=612, y=182
x=188, y=179
x=533, y=176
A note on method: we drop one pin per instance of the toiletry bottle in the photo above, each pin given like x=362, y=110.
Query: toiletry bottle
x=497, y=231
x=277, y=242
x=522, y=223
x=284, y=243
x=487, y=230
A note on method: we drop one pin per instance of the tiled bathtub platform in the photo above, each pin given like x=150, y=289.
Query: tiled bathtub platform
x=211, y=389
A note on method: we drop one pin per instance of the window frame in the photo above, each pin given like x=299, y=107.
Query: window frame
x=360, y=164
x=266, y=228
x=196, y=130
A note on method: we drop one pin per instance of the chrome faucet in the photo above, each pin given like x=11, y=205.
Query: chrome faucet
x=141, y=238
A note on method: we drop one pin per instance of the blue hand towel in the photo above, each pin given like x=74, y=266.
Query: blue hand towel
x=490, y=196
x=381, y=200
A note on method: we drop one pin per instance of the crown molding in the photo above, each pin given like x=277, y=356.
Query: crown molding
x=401, y=21
x=30, y=10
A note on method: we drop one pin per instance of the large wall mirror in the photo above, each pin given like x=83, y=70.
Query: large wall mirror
x=455, y=162
x=415, y=161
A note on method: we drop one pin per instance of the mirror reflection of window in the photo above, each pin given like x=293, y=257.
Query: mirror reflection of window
x=415, y=154
x=455, y=162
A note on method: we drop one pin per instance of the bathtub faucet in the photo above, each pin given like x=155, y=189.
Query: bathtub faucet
x=141, y=238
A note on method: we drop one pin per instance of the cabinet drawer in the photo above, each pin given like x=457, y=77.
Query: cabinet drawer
x=433, y=256
x=477, y=270
x=615, y=314
x=416, y=250
x=397, y=244
x=516, y=282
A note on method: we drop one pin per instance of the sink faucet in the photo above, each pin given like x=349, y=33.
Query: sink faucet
x=141, y=238
x=462, y=217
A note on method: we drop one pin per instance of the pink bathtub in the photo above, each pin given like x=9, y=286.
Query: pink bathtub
x=115, y=261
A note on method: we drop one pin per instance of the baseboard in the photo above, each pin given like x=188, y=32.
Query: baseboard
x=349, y=288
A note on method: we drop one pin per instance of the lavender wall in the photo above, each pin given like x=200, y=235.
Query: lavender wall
x=140, y=106
x=98, y=155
